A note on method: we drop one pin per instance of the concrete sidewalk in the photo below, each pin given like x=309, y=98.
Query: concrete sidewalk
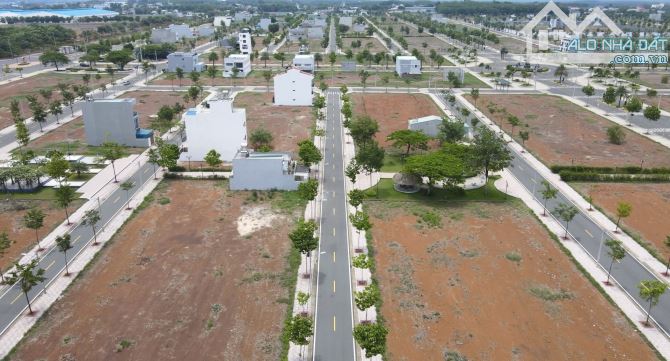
x=508, y=182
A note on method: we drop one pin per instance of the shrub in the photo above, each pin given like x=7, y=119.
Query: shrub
x=616, y=134
x=609, y=170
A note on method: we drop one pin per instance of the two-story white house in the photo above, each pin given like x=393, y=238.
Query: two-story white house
x=294, y=87
x=188, y=62
x=240, y=61
x=407, y=65
x=214, y=124
x=304, y=62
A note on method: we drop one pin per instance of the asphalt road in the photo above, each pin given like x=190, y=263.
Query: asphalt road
x=332, y=41
x=590, y=236
x=333, y=339
x=13, y=302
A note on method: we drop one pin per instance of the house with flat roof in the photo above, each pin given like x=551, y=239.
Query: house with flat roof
x=264, y=24
x=114, y=120
x=222, y=20
x=266, y=171
x=205, y=30
x=188, y=62
x=182, y=30
x=162, y=36
x=429, y=125
x=240, y=61
x=304, y=62
x=294, y=87
x=215, y=124
x=407, y=65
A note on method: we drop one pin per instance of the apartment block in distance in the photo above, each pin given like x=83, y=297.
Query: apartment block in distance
x=114, y=120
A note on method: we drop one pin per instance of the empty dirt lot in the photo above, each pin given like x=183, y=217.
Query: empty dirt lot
x=562, y=132
x=392, y=111
x=70, y=137
x=287, y=124
x=648, y=201
x=485, y=281
x=31, y=86
x=216, y=283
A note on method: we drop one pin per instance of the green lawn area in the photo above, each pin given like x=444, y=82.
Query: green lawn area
x=387, y=193
x=73, y=147
x=392, y=163
x=43, y=193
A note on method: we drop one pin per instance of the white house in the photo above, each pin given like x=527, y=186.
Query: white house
x=314, y=32
x=222, y=20
x=264, y=23
x=266, y=171
x=297, y=34
x=215, y=124
x=293, y=88
x=407, y=65
x=429, y=125
x=188, y=62
x=244, y=41
x=240, y=61
x=304, y=62
x=243, y=16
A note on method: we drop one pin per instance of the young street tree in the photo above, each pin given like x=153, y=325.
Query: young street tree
x=127, y=186
x=356, y=197
x=63, y=243
x=474, y=93
x=362, y=130
x=28, y=276
x=367, y=298
x=489, y=152
x=409, y=139
x=361, y=222
x=308, y=152
x=609, y=96
x=652, y=113
x=91, y=218
x=548, y=192
x=302, y=298
x=651, y=291
x=667, y=266
x=371, y=337
x=112, y=151
x=623, y=210
x=64, y=197
x=304, y=240
x=34, y=219
x=213, y=158
x=371, y=159
x=616, y=252
x=352, y=170
x=299, y=330
x=588, y=90
x=616, y=134
x=5, y=243
x=308, y=191
x=566, y=213
x=362, y=261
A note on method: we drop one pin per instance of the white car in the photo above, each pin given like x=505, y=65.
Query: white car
x=126, y=82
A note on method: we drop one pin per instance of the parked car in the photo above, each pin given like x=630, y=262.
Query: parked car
x=126, y=82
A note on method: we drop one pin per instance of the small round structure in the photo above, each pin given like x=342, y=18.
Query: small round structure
x=406, y=183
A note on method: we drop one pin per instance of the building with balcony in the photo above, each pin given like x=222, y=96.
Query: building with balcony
x=239, y=61
x=114, y=120
x=244, y=41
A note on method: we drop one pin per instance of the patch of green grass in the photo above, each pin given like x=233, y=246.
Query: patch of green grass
x=286, y=201
x=393, y=163
x=547, y=294
x=43, y=193
x=123, y=344
x=432, y=219
x=163, y=200
x=388, y=193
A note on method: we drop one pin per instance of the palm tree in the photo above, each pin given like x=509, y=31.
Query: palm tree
x=180, y=75
x=547, y=193
x=265, y=57
x=91, y=218
x=63, y=243
x=213, y=57
x=27, y=277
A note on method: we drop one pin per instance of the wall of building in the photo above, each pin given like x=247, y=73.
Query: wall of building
x=261, y=174
x=293, y=88
x=112, y=121
x=188, y=62
x=218, y=127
